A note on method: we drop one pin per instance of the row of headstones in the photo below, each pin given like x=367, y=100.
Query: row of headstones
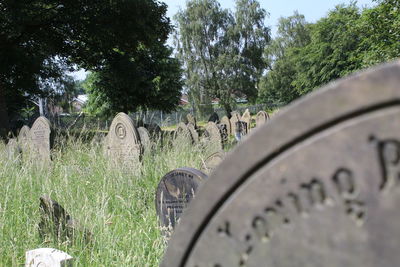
x=34, y=141
x=126, y=143
x=174, y=192
x=124, y=140
x=178, y=187
x=217, y=131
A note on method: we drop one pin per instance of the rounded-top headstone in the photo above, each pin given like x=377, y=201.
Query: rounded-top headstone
x=144, y=138
x=40, y=139
x=174, y=192
x=23, y=137
x=316, y=186
x=261, y=118
x=213, y=136
x=47, y=257
x=246, y=117
x=123, y=140
x=182, y=133
x=23, y=134
x=225, y=120
x=212, y=161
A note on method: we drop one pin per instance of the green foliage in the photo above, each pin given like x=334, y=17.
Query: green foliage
x=151, y=80
x=381, y=28
x=281, y=55
x=220, y=51
x=40, y=40
x=116, y=204
x=306, y=56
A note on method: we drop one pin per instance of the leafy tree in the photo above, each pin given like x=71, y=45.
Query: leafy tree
x=281, y=57
x=221, y=52
x=380, y=26
x=332, y=52
x=40, y=39
x=348, y=39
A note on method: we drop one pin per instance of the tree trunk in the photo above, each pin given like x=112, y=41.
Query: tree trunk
x=4, y=123
x=228, y=109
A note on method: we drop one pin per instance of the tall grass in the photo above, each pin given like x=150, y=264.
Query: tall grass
x=116, y=204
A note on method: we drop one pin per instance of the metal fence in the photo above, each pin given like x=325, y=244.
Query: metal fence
x=160, y=118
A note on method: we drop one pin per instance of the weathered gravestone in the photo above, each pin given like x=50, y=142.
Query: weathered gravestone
x=224, y=132
x=212, y=161
x=246, y=117
x=144, y=138
x=261, y=118
x=174, y=192
x=213, y=138
x=13, y=149
x=123, y=140
x=234, y=118
x=225, y=121
x=317, y=186
x=47, y=257
x=24, y=139
x=214, y=118
x=191, y=119
x=58, y=224
x=182, y=134
x=40, y=140
x=193, y=132
x=240, y=130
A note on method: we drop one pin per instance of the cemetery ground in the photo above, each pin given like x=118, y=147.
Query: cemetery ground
x=116, y=204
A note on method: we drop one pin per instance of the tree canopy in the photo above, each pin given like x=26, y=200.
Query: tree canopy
x=305, y=56
x=221, y=51
x=40, y=40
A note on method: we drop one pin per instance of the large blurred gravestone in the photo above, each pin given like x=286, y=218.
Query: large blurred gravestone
x=40, y=140
x=47, y=257
x=174, y=192
x=261, y=118
x=317, y=186
x=123, y=140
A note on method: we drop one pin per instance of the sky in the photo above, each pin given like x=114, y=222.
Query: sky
x=311, y=9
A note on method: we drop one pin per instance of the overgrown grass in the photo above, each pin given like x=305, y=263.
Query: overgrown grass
x=116, y=204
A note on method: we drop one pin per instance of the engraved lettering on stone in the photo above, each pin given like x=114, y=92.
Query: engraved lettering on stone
x=389, y=157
